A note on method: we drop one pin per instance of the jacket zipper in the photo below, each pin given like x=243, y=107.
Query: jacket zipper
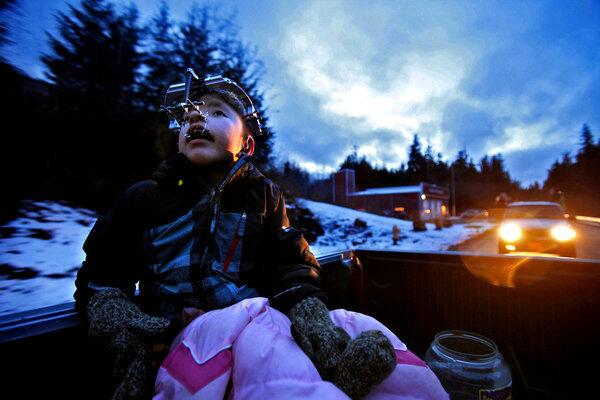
x=215, y=202
x=215, y=198
x=242, y=225
x=213, y=224
x=234, y=243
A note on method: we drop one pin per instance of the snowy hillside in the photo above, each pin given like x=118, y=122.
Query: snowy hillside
x=41, y=250
x=40, y=253
x=340, y=232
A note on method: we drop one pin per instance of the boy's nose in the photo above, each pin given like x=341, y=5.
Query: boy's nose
x=195, y=116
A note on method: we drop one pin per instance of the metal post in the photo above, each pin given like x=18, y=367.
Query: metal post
x=453, y=190
x=189, y=73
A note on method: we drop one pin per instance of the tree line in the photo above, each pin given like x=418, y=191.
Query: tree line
x=93, y=126
x=576, y=179
x=572, y=181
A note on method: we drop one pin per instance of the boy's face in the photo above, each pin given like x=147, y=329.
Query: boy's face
x=225, y=136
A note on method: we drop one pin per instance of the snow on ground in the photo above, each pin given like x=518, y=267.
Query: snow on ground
x=341, y=234
x=40, y=253
x=41, y=250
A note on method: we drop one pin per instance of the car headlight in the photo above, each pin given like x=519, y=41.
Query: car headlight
x=563, y=233
x=510, y=232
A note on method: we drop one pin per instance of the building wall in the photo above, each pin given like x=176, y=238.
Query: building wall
x=392, y=205
x=434, y=191
x=343, y=183
x=435, y=203
x=430, y=202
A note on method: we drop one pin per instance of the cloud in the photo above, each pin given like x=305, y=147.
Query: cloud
x=467, y=126
x=400, y=96
x=510, y=76
x=495, y=77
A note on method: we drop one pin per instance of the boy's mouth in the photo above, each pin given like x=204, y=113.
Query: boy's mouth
x=198, y=132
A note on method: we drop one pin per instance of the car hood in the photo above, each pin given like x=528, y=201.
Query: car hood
x=527, y=223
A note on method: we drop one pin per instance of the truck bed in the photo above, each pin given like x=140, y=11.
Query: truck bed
x=541, y=312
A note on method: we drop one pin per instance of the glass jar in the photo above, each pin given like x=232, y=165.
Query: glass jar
x=469, y=366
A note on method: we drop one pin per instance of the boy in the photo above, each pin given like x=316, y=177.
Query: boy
x=206, y=231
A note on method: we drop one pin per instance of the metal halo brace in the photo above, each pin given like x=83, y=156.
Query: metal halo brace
x=177, y=101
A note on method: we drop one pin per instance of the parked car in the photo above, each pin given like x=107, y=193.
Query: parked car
x=474, y=213
x=536, y=226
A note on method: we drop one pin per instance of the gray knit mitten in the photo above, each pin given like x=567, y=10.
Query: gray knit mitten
x=355, y=366
x=125, y=330
x=316, y=335
x=366, y=362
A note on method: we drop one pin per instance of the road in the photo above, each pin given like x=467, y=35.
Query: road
x=588, y=242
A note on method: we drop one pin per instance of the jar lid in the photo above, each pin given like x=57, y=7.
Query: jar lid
x=466, y=346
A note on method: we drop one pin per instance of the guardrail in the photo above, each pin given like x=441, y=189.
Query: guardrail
x=591, y=220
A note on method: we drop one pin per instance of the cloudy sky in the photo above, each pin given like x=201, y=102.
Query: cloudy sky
x=516, y=77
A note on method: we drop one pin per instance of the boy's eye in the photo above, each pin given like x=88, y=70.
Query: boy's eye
x=219, y=112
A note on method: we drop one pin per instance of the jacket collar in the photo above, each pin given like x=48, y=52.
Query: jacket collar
x=234, y=173
x=179, y=172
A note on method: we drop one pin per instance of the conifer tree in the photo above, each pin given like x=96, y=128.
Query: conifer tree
x=430, y=167
x=15, y=174
x=586, y=139
x=417, y=164
x=6, y=6
x=442, y=171
x=163, y=67
x=586, y=177
x=94, y=59
x=195, y=48
x=365, y=174
x=466, y=181
x=127, y=36
x=94, y=67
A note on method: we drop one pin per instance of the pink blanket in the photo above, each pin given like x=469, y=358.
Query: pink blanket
x=246, y=351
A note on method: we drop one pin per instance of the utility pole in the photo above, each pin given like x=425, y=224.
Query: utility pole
x=453, y=190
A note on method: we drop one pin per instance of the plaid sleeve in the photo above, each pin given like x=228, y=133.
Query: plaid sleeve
x=295, y=273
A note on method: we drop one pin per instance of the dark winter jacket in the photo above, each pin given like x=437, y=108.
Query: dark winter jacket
x=192, y=246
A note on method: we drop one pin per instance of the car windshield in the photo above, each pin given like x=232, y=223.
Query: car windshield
x=537, y=211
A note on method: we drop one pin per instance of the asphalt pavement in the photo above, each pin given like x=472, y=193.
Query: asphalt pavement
x=588, y=242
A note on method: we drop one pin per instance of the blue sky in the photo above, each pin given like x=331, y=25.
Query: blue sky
x=516, y=77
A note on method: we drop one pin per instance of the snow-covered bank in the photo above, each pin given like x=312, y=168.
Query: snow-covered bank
x=40, y=253
x=341, y=234
x=41, y=250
